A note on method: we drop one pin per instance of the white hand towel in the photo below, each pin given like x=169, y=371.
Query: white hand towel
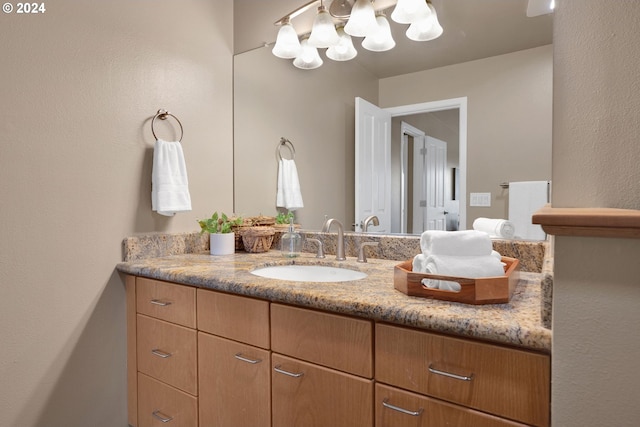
x=288, y=193
x=495, y=227
x=419, y=264
x=525, y=198
x=169, y=182
x=461, y=243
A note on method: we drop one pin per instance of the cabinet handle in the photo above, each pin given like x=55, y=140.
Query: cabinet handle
x=449, y=374
x=386, y=404
x=239, y=356
x=160, y=353
x=162, y=417
x=160, y=303
x=278, y=369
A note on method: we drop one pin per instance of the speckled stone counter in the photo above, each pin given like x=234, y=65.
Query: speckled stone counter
x=517, y=323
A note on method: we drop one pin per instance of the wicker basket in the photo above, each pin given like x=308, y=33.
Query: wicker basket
x=257, y=239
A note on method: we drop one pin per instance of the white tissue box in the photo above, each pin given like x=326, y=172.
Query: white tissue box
x=485, y=290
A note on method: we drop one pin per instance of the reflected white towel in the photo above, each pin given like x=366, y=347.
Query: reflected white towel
x=169, y=182
x=495, y=227
x=288, y=194
x=461, y=243
x=525, y=198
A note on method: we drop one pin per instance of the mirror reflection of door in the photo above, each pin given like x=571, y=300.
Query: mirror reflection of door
x=442, y=120
x=423, y=192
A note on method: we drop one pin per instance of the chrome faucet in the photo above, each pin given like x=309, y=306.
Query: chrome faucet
x=340, y=246
x=370, y=219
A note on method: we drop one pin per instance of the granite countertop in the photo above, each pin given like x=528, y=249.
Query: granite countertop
x=516, y=323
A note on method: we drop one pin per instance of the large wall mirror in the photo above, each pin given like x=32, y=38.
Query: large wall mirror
x=491, y=53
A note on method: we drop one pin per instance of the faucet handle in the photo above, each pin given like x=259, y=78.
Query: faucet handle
x=362, y=257
x=320, y=253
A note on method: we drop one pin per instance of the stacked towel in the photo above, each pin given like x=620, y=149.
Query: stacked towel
x=500, y=228
x=468, y=242
x=288, y=194
x=456, y=253
x=169, y=182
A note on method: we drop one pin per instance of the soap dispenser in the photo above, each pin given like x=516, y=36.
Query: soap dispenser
x=291, y=242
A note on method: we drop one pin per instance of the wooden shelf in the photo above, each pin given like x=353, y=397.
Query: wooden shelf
x=592, y=222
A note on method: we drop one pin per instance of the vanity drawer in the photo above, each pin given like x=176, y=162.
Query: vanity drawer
x=331, y=340
x=399, y=408
x=167, y=352
x=235, y=317
x=503, y=381
x=160, y=404
x=166, y=301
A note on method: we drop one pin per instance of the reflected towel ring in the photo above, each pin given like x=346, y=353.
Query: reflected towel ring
x=284, y=142
x=162, y=115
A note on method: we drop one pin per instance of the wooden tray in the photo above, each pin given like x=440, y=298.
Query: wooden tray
x=485, y=290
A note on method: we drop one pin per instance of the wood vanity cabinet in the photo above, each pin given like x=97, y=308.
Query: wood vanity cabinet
x=234, y=360
x=506, y=382
x=213, y=359
x=322, y=369
x=162, y=372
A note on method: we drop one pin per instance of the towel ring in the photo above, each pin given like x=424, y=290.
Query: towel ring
x=284, y=142
x=162, y=115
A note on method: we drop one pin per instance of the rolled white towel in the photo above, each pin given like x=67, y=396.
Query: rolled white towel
x=460, y=243
x=464, y=266
x=495, y=227
x=419, y=264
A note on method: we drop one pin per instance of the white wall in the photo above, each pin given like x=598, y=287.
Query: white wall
x=596, y=346
x=509, y=117
x=79, y=86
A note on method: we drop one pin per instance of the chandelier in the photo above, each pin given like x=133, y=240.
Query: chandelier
x=335, y=28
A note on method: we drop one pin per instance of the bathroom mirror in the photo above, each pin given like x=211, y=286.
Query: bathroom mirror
x=508, y=87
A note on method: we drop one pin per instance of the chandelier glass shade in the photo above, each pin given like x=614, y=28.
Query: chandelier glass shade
x=353, y=19
x=308, y=58
x=344, y=50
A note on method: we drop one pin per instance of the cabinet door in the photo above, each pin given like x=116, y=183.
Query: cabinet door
x=234, y=383
x=307, y=395
x=398, y=408
x=162, y=405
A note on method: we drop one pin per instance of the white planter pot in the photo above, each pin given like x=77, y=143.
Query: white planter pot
x=222, y=243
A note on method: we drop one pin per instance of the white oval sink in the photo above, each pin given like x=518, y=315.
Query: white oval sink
x=309, y=273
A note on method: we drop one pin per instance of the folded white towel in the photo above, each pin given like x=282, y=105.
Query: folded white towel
x=460, y=266
x=495, y=227
x=169, y=182
x=462, y=243
x=288, y=194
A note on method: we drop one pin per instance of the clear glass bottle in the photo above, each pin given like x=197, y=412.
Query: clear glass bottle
x=291, y=242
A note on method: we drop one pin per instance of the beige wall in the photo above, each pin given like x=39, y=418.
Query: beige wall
x=509, y=117
x=79, y=86
x=315, y=109
x=596, y=153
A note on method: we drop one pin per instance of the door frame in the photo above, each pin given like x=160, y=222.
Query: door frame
x=446, y=104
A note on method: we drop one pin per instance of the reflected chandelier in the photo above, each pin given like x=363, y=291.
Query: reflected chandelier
x=359, y=19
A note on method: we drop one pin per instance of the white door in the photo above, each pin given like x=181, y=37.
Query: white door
x=372, y=165
x=430, y=163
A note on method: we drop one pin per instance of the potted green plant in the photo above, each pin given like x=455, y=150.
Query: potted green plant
x=221, y=235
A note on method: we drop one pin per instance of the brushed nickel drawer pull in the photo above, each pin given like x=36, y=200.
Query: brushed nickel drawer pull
x=239, y=356
x=449, y=374
x=162, y=417
x=386, y=404
x=160, y=353
x=160, y=303
x=278, y=369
